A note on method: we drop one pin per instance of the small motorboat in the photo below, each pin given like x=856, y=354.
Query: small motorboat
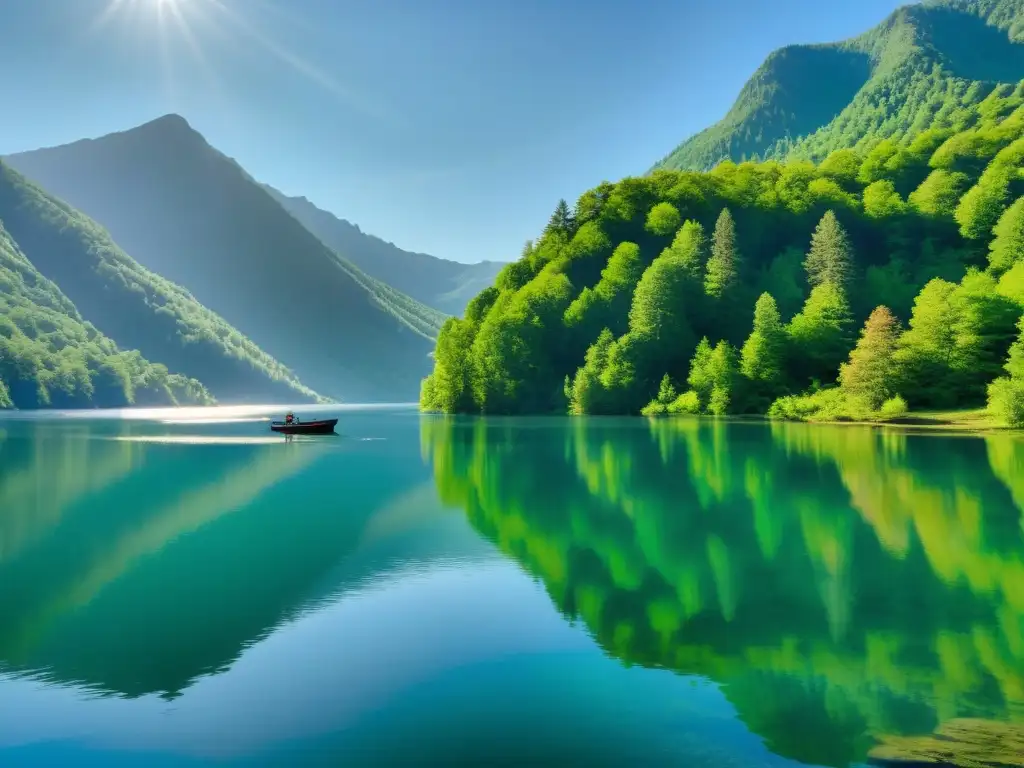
x=292, y=426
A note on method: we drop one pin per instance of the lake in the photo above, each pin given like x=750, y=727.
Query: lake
x=183, y=588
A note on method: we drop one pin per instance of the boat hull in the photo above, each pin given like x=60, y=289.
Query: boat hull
x=320, y=427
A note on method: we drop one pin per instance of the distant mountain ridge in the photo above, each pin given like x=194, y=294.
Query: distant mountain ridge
x=188, y=213
x=443, y=284
x=896, y=80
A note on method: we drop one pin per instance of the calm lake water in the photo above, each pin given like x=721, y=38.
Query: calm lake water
x=186, y=589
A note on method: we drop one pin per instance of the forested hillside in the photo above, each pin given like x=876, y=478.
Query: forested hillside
x=927, y=65
x=439, y=283
x=195, y=217
x=50, y=357
x=134, y=307
x=746, y=286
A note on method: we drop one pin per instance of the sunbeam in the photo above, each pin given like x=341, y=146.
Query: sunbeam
x=184, y=19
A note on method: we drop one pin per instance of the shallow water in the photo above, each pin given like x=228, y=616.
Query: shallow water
x=184, y=588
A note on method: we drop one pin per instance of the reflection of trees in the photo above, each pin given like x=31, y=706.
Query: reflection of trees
x=148, y=566
x=841, y=582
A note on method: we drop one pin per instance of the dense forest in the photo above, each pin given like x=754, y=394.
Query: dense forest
x=915, y=70
x=51, y=357
x=447, y=286
x=135, y=308
x=863, y=286
x=188, y=213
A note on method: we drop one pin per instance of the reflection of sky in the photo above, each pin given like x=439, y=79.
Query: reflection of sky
x=363, y=659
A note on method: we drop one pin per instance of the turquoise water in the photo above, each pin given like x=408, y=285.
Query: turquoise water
x=185, y=588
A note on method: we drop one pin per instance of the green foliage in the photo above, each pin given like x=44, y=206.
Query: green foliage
x=1006, y=401
x=714, y=375
x=687, y=403
x=763, y=357
x=939, y=193
x=666, y=396
x=894, y=93
x=134, y=307
x=1007, y=247
x=821, y=333
x=871, y=371
x=893, y=408
x=663, y=219
x=1006, y=394
x=822, y=247
x=51, y=358
x=723, y=264
x=829, y=258
x=830, y=404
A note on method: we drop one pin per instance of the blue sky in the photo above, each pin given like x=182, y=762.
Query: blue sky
x=447, y=126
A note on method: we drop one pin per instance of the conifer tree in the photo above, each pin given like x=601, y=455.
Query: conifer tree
x=724, y=261
x=830, y=255
x=562, y=220
x=762, y=358
x=870, y=373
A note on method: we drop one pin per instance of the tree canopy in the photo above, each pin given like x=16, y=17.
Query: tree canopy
x=763, y=315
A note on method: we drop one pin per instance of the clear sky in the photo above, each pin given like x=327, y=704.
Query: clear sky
x=446, y=126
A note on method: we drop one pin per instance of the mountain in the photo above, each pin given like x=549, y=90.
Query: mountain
x=439, y=283
x=924, y=66
x=742, y=289
x=51, y=357
x=193, y=216
x=134, y=307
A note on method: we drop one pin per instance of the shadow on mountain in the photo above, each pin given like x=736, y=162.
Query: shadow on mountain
x=839, y=583
x=133, y=567
x=970, y=48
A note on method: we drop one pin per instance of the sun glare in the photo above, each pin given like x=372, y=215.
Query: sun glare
x=217, y=22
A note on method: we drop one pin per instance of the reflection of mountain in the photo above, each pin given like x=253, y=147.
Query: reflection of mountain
x=150, y=564
x=840, y=583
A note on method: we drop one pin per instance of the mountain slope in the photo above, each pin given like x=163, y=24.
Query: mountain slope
x=192, y=215
x=133, y=306
x=445, y=285
x=51, y=357
x=924, y=66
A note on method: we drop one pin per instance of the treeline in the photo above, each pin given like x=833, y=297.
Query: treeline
x=744, y=288
x=51, y=358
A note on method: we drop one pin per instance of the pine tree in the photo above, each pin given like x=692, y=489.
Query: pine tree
x=870, y=373
x=762, y=358
x=562, y=220
x=666, y=392
x=723, y=264
x=830, y=256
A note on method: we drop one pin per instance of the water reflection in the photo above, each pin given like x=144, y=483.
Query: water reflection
x=138, y=557
x=842, y=583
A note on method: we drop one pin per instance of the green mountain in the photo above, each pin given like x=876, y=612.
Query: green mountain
x=440, y=283
x=744, y=288
x=195, y=217
x=51, y=357
x=924, y=66
x=132, y=306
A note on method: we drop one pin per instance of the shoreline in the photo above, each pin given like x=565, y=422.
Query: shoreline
x=965, y=421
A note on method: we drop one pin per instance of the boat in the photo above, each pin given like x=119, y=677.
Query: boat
x=296, y=427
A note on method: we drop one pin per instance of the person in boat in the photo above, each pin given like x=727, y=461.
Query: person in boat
x=290, y=419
